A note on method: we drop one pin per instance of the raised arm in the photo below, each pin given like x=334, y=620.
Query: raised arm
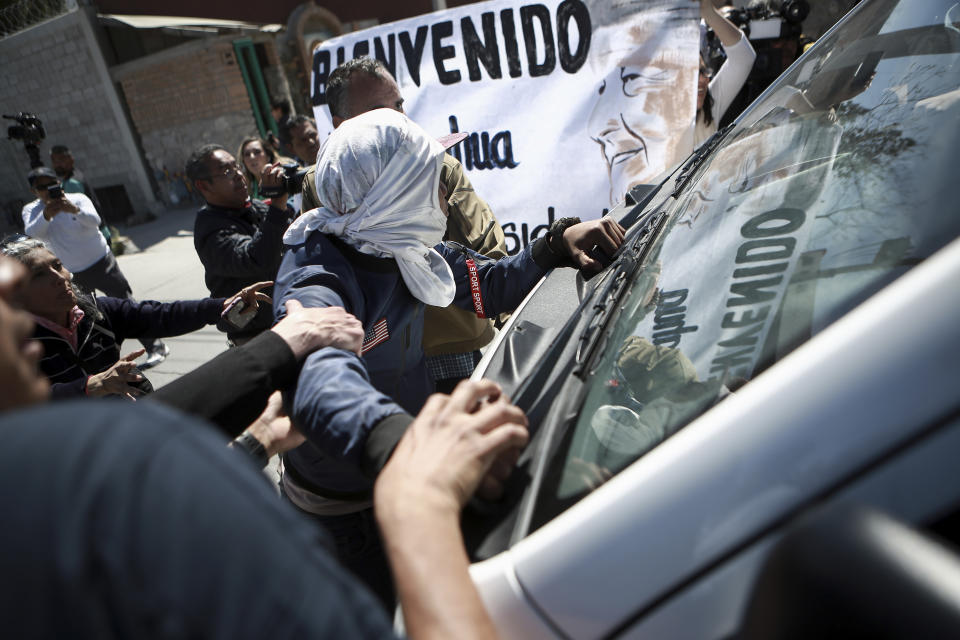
x=86, y=213
x=728, y=32
x=256, y=369
x=490, y=287
x=418, y=497
x=335, y=404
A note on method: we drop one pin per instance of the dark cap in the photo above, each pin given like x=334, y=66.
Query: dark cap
x=40, y=172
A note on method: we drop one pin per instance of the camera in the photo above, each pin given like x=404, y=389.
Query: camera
x=28, y=130
x=756, y=20
x=55, y=191
x=292, y=182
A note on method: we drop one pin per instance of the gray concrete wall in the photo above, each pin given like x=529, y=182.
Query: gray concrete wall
x=56, y=71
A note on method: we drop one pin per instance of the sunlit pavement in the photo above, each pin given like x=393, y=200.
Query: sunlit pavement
x=166, y=268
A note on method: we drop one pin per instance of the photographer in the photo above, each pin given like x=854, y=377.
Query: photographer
x=238, y=240
x=69, y=223
x=73, y=181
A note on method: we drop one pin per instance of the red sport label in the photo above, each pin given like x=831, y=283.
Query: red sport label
x=475, y=288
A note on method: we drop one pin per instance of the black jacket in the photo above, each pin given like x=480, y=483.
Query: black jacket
x=254, y=370
x=107, y=322
x=239, y=247
x=134, y=521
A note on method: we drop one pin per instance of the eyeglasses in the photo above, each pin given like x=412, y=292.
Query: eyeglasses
x=228, y=172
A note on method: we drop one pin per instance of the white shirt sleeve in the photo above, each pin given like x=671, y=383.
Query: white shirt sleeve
x=87, y=216
x=732, y=74
x=34, y=224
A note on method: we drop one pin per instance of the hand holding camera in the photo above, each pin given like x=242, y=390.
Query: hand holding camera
x=56, y=202
x=279, y=180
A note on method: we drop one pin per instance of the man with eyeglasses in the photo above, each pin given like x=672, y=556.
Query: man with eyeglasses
x=238, y=240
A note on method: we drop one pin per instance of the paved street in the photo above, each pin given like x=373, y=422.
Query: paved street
x=166, y=268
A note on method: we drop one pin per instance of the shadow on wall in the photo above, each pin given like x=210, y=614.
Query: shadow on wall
x=175, y=189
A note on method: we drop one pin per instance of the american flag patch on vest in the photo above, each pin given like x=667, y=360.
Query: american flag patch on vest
x=378, y=333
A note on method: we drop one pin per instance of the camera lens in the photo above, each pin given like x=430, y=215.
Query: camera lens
x=795, y=11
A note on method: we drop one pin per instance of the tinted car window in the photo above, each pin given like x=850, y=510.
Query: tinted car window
x=838, y=181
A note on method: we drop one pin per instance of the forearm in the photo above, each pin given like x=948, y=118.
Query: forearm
x=503, y=284
x=87, y=213
x=255, y=370
x=154, y=319
x=338, y=409
x=37, y=226
x=73, y=389
x=89, y=219
x=732, y=75
x=430, y=568
x=728, y=32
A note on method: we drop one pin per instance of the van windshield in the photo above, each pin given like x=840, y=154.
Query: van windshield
x=835, y=183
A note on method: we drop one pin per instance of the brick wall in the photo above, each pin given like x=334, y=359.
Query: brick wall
x=56, y=71
x=182, y=98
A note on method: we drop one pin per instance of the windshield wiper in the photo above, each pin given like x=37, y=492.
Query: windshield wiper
x=614, y=290
x=695, y=160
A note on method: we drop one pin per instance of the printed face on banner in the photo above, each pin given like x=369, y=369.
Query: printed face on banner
x=642, y=114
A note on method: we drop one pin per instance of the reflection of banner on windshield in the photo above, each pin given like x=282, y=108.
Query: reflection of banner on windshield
x=568, y=102
x=745, y=225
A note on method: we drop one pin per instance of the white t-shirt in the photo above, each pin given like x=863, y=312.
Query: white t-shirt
x=725, y=86
x=75, y=238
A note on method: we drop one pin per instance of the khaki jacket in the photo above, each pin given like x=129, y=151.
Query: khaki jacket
x=472, y=224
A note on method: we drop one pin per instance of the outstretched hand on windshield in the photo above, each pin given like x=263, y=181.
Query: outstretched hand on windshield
x=579, y=240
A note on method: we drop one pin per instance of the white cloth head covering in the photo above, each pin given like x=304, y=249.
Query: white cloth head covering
x=377, y=176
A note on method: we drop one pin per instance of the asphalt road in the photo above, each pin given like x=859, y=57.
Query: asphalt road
x=166, y=268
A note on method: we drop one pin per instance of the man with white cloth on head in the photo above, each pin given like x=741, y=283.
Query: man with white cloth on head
x=375, y=250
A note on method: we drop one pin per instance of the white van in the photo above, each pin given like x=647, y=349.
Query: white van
x=777, y=343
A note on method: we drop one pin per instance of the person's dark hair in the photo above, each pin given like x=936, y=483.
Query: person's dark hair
x=707, y=108
x=60, y=149
x=338, y=84
x=293, y=122
x=272, y=157
x=197, y=167
x=284, y=105
x=20, y=246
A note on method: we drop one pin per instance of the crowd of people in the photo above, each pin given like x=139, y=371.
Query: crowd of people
x=346, y=310
x=157, y=515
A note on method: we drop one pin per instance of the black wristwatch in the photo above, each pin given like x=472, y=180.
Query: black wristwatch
x=549, y=251
x=252, y=447
x=555, y=236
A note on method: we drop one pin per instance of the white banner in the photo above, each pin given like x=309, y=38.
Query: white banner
x=568, y=102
